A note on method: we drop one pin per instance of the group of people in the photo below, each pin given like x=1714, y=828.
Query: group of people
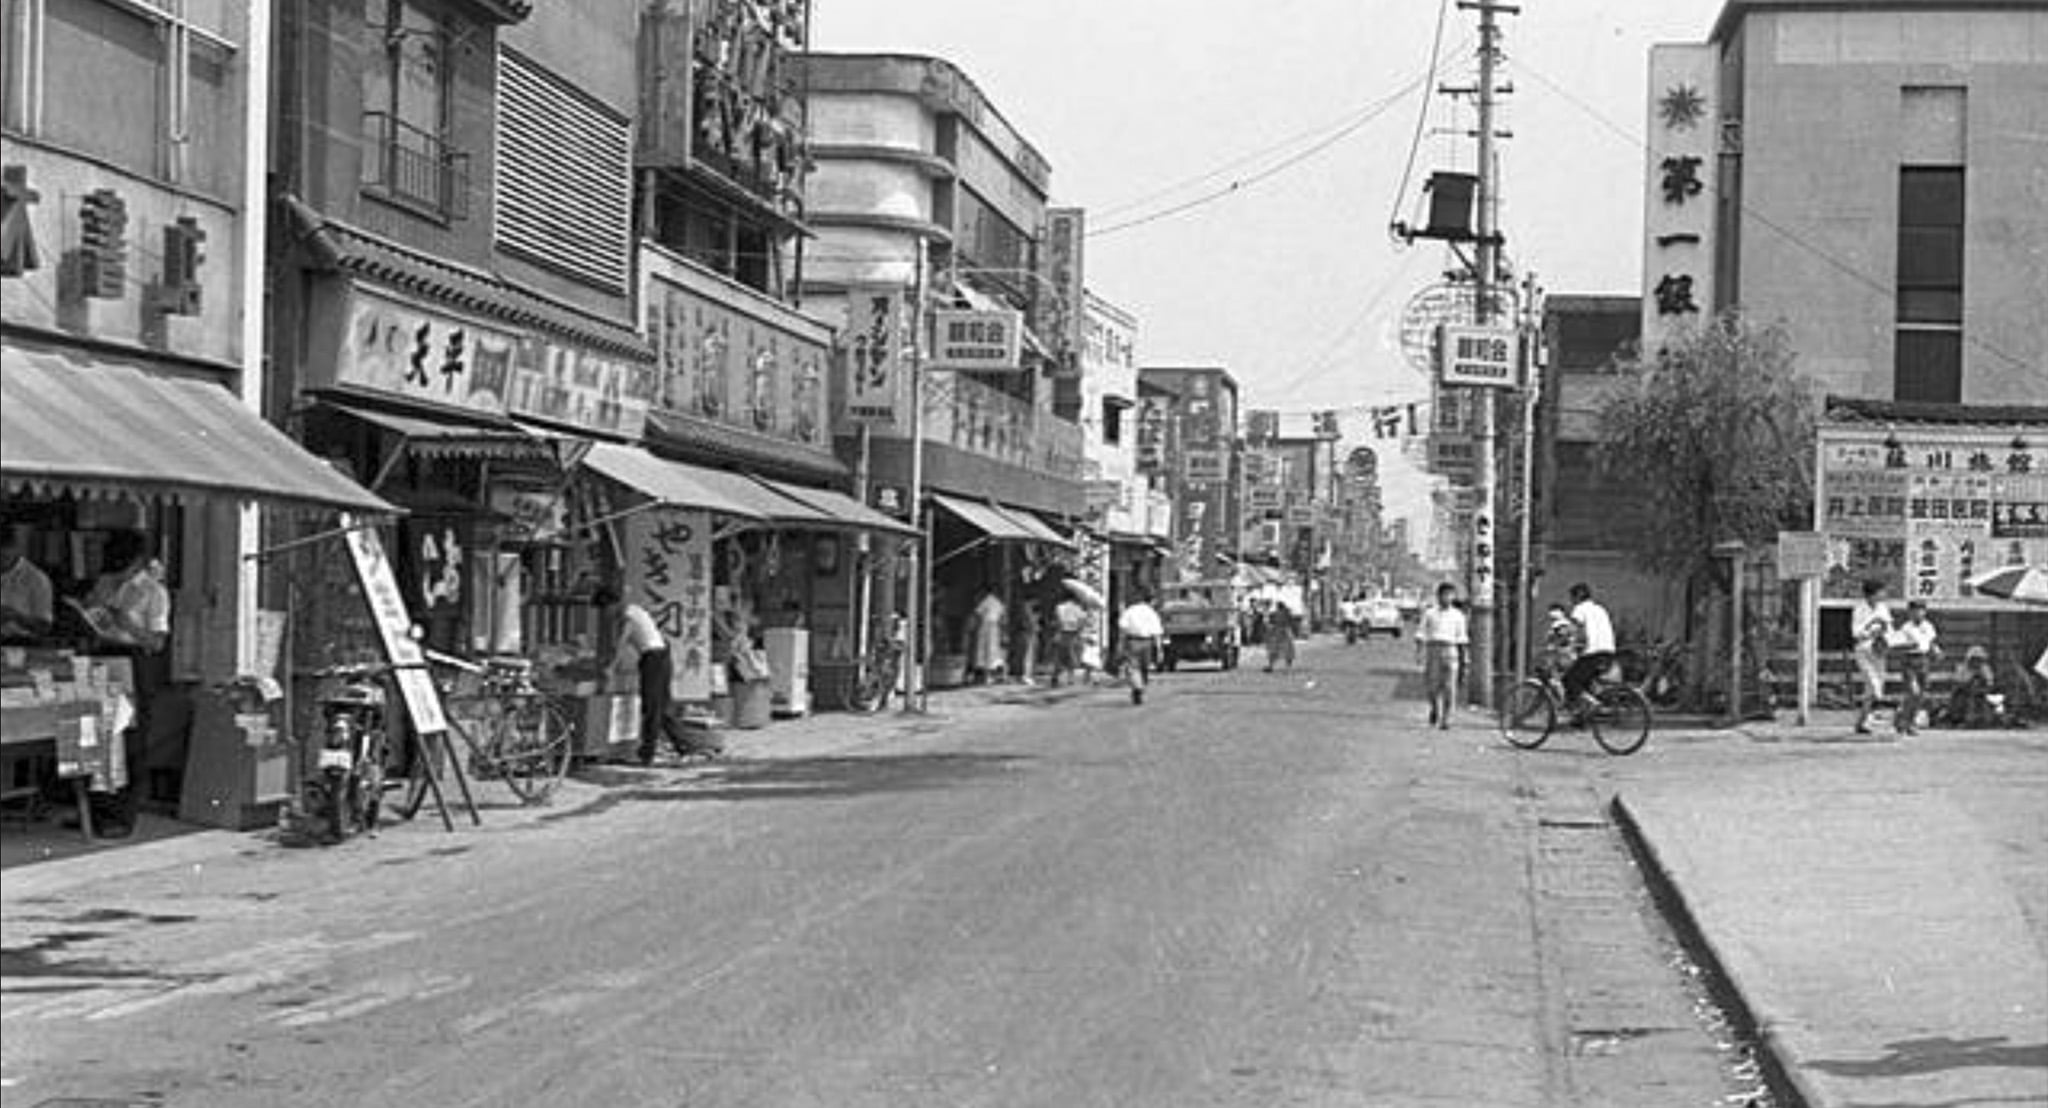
x=125, y=613
x=1914, y=644
x=996, y=639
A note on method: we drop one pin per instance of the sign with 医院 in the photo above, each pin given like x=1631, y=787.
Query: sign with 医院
x=1479, y=355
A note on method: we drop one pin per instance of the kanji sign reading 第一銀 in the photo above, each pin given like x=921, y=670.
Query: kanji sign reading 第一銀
x=1685, y=132
x=1479, y=355
x=964, y=339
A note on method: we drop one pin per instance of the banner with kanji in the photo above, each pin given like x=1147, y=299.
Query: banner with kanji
x=668, y=572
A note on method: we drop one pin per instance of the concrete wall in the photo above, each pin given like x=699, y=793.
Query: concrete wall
x=1821, y=141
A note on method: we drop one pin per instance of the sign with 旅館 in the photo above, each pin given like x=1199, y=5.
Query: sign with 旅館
x=1479, y=356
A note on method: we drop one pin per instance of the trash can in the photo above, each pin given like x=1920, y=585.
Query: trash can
x=753, y=704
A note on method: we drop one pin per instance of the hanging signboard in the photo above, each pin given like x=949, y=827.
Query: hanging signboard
x=876, y=355
x=1479, y=356
x=1926, y=509
x=1802, y=554
x=394, y=627
x=1204, y=467
x=967, y=339
x=668, y=572
x=1686, y=140
x=399, y=349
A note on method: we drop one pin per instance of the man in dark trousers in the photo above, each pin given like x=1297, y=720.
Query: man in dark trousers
x=642, y=642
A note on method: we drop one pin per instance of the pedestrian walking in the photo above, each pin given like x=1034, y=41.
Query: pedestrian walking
x=985, y=638
x=1916, y=649
x=1140, y=629
x=1871, y=625
x=1440, y=644
x=1068, y=619
x=1281, y=625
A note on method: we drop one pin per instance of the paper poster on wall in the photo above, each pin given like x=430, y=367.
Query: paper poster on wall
x=668, y=572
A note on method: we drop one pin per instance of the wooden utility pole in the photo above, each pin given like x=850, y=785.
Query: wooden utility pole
x=1485, y=545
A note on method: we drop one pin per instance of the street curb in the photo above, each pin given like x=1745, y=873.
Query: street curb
x=1777, y=1057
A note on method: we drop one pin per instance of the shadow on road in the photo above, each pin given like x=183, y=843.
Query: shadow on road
x=811, y=779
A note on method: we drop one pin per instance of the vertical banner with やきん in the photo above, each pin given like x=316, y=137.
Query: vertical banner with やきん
x=668, y=572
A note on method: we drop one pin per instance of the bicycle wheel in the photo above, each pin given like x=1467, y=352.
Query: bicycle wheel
x=1527, y=715
x=532, y=748
x=1621, y=723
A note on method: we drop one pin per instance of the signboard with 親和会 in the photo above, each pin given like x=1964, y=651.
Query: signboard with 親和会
x=963, y=339
x=1480, y=356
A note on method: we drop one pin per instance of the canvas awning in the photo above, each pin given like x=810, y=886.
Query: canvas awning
x=991, y=521
x=841, y=509
x=678, y=484
x=428, y=436
x=89, y=426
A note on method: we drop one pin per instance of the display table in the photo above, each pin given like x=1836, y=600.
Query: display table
x=75, y=707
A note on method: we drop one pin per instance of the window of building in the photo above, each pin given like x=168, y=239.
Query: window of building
x=564, y=176
x=126, y=81
x=1927, y=351
x=407, y=158
x=1112, y=420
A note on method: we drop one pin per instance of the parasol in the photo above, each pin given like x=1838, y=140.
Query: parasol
x=1085, y=592
x=2026, y=584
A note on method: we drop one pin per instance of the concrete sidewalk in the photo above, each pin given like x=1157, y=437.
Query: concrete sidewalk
x=1874, y=905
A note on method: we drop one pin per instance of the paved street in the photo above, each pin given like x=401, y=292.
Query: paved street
x=1257, y=889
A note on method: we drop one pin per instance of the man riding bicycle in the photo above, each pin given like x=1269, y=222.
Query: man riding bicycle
x=1596, y=643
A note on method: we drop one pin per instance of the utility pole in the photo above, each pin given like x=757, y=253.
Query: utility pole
x=1485, y=545
x=920, y=607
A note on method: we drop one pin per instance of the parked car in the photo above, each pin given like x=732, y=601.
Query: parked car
x=1382, y=616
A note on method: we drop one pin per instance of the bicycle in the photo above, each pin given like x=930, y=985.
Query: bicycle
x=880, y=672
x=515, y=732
x=1617, y=713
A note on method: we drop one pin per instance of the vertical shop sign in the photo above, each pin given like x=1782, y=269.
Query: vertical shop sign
x=877, y=340
x=1151, y=432
x=668, y=572
x=1062, y=296
x=1685, y=133
x=394, y=627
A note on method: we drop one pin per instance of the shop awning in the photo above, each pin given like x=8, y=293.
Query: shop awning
x=1039, y=530
x=841, y=509
x=93, y=427
x=428, y=437
x=675, y=483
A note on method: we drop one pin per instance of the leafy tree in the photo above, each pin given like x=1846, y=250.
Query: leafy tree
x=1717, y=431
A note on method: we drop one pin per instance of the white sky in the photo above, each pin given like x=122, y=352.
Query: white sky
x=1292, y=282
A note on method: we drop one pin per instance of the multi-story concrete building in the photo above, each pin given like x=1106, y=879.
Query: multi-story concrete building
x=921, y=186
x=1129, y=520
x=131, y=296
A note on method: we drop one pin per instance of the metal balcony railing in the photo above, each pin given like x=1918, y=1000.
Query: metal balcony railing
x=415, y=168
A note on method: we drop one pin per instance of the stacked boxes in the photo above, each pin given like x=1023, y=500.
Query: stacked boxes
x=81, y=702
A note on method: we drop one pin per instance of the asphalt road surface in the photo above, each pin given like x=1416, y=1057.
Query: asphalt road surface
x=1256, y=889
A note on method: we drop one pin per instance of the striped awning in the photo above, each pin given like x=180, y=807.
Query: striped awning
x=75, y=423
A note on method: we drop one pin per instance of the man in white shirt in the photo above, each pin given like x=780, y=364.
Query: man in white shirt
x=642, y=643
x=1141, y=630
x=1596, y=643
x=1442, y=641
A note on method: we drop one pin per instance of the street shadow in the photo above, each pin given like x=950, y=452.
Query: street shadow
x=1912, y=1057
x=822, y=778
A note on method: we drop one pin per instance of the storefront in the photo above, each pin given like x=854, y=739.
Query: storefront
x=469, y=402
x=111, y=458
x=979, y=548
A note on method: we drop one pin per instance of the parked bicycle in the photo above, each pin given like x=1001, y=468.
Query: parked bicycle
x=514, y=731
x=1618, y=714
x=881, y=672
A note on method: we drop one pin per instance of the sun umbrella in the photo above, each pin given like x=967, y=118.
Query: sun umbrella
x=2026, y=584
x=1085, y=592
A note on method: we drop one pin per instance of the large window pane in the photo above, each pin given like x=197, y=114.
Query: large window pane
x=1930, y=257
x=213, y=158
x=103, y=82
x=1931, y=197
x=1930, y=305
x=1928, y=366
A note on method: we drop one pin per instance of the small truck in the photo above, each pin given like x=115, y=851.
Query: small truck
x=1201, y=623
